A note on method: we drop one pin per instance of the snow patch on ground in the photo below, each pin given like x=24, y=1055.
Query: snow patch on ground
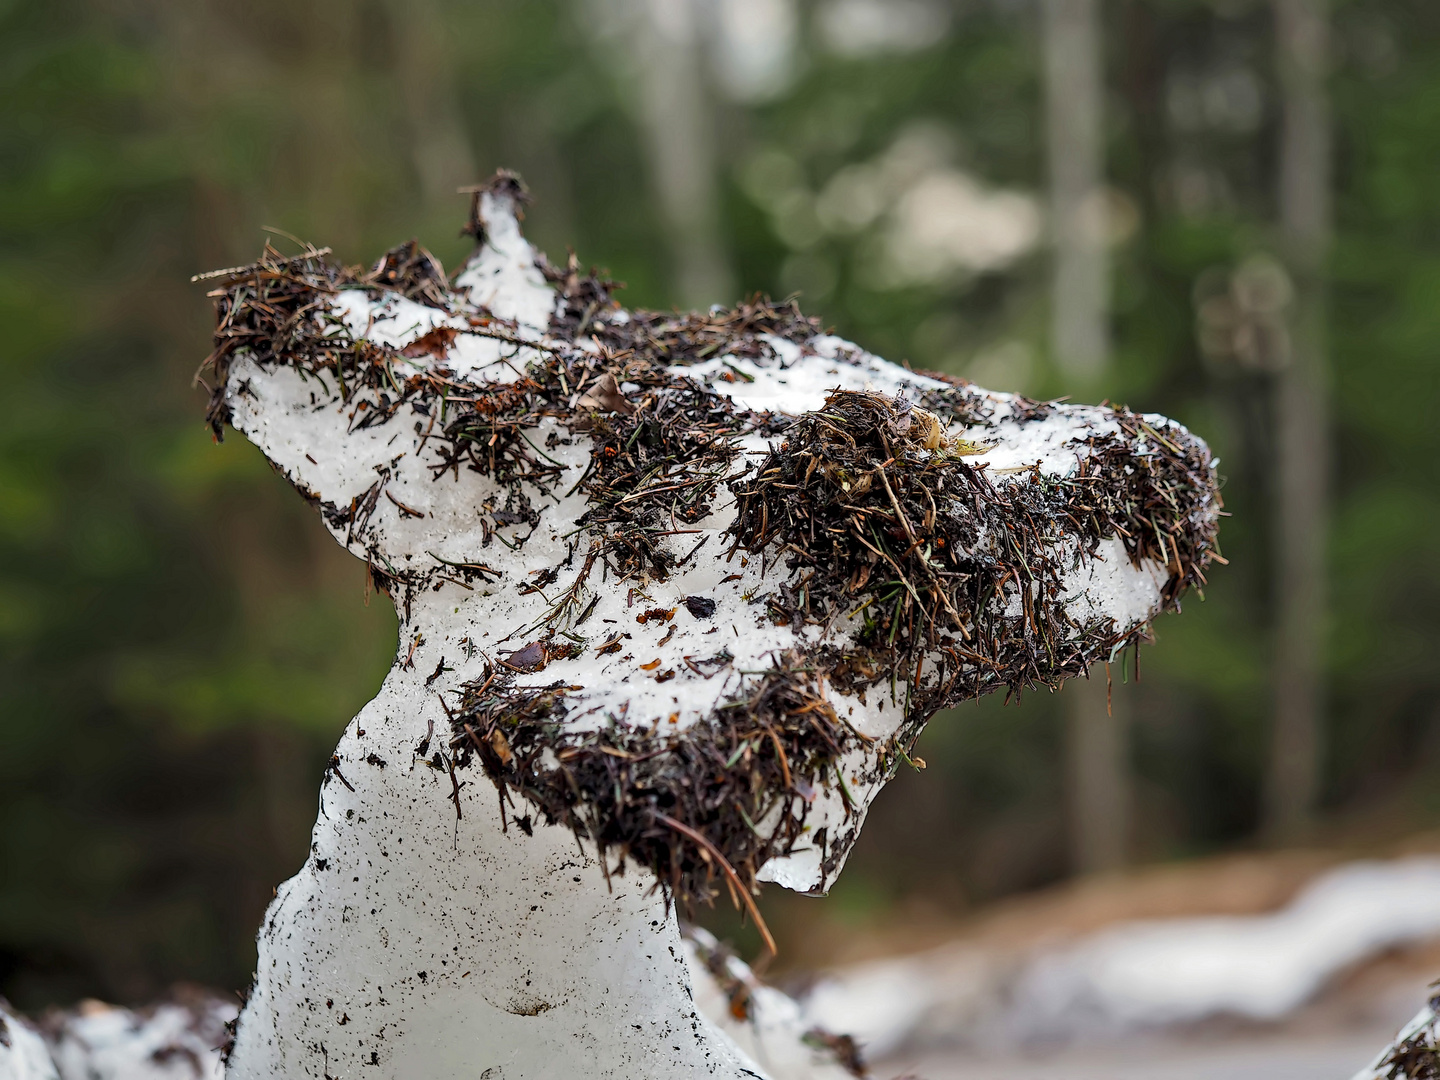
x=1138, y=975
x=1260, y=967
x=23, y=1053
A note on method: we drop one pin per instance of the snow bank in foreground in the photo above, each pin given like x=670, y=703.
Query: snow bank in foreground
x=23, y=1053
x=175, y=1041
x=1140, y=974
x=179, y=1040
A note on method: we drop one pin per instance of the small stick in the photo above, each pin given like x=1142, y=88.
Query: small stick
x=729, y=873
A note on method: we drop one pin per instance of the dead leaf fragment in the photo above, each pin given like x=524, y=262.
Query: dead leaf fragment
x=530, y=658
x=501, y=746
x=604, y=396
x=435, y=343
x=926, y=426
x=702, y=607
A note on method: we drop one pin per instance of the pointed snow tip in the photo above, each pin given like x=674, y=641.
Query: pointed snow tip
x=504, y=185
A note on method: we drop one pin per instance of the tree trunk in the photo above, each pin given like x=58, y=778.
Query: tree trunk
x=1301, y=32
x=1095, y=744
x=1097, y=757
x=439, y=147
x=1075, y=115
x=679, y=142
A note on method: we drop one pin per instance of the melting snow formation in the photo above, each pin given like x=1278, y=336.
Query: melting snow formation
x=677, y=594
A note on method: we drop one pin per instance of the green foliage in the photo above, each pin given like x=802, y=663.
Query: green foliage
x=180, y=643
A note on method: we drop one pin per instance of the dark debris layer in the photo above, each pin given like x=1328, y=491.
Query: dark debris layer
x=874, y=518
x=870, y=509
x=744, y=781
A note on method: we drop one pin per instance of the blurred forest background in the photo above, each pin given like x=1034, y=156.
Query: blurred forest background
x=181, y=643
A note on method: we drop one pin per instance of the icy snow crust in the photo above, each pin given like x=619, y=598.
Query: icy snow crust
x=431, y=946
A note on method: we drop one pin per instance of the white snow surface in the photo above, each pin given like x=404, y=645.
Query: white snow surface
x=504, y=277
x=413, y=944
x=168, y=1042
x=1262, y=967
x=173, y=1041
x=23, y=1053
x=1139, y=975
